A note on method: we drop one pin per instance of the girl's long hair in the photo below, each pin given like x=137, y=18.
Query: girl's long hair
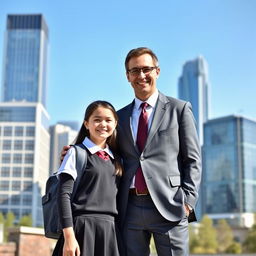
x=111, y=140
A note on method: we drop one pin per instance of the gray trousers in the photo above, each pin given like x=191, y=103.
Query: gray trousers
x=143, y=221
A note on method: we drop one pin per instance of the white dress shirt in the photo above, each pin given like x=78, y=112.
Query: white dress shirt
x=68, y=164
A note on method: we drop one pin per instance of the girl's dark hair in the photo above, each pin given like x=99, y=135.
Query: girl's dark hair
x=111, y=140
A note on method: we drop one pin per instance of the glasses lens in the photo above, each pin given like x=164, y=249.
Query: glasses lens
x=145, y=70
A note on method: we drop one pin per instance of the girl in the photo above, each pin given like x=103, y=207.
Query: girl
x=89, y=228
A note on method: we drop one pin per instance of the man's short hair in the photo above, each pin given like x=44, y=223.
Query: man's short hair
x=138, y=52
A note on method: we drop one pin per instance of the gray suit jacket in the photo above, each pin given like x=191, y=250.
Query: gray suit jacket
x=170, y=161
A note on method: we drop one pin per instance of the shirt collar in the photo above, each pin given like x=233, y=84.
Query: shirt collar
x=94, y=148
x=151, y=100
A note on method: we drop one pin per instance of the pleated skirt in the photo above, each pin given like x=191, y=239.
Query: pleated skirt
x=95, y=234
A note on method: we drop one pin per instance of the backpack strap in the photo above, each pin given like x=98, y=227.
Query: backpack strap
x=81, y=162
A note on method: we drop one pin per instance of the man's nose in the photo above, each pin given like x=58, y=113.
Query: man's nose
x=141, y=74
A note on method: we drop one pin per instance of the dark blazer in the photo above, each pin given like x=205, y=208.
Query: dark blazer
x=170, y=161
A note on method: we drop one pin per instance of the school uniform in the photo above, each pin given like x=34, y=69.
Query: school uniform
x=93, y=210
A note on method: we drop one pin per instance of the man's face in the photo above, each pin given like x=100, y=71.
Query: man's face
x=143, y=83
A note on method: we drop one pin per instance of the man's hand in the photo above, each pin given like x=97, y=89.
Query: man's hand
x=63, y=153
x=187, y=209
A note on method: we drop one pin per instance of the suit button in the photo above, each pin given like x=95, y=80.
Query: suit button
x=142, y=158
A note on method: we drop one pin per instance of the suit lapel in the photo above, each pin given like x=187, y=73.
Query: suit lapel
x=161, y=106
x=126, y=126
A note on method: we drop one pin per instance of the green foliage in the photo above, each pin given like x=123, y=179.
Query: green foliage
x=249, y=245
x=193, y=239
x=234, y=248
x=207, y=240
x=224, y=236
x=1, y=218
x=26, y=220
x=8, y=222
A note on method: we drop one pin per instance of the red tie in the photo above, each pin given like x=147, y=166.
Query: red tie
x=102, y=154
x=142, y=135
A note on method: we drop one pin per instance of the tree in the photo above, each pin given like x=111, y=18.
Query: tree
x=26, y=220
x=206, y=237
x=1, y=218
x=249, y=244
x=193, y=239
x=224, y=235
x=234, y=248
x=9, y=220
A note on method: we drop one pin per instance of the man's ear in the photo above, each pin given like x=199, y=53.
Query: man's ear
x=127, y=75
x=157, y=72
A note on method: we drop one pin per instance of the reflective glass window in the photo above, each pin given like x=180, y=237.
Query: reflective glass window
x=7, y=144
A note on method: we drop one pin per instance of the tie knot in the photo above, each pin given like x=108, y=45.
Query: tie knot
x=103, y=154
x=144, y=105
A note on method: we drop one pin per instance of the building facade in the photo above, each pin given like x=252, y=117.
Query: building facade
x=193, y=86
x=229, y=163
x=24, y=121
x=61, y=135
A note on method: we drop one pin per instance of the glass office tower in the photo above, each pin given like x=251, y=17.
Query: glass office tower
x=24, y=136
x=229, y=162
x=25, y=59
x=193, y=87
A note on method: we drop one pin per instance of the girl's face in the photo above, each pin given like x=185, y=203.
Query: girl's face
x=101, y=124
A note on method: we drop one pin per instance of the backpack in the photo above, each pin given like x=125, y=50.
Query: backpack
x=52, y=226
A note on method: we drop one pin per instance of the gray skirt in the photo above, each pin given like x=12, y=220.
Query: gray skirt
x=95, y=234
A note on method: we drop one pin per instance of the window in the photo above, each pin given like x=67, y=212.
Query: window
x=30, y=131
x=5, y=172
x=29, y=145
x=16, y=185
x=8, y=131
x=4, y=185
x=3, y=199
x=27, y=200
x=18, y=144
x=27, y=186
x=17, y=158
x=28, y=172
x=18, y=131
x=6, y=158
x=7, y=144
x=15, y=200
x=16, y=172
x=29, y=158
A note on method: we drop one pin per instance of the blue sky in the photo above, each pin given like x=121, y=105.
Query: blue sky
x=90, y=39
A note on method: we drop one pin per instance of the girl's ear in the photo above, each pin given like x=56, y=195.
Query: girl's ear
x=85, y=124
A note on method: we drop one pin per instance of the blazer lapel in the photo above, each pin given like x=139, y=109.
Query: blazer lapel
x=161, y=106
x=126, y=126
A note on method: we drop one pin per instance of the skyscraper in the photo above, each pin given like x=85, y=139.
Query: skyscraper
x=229, y=163
x=193, y=86
x=61, y=135
x=24, y=135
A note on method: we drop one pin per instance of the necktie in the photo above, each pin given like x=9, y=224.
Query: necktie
x=142, y=135
x=102, y=154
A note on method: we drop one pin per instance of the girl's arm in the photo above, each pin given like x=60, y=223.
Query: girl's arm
x=66, y=183
x=71, y=247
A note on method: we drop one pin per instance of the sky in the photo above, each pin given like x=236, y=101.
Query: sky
x=89, y=40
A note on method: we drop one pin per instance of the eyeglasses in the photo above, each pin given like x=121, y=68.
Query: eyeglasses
x=137, y=71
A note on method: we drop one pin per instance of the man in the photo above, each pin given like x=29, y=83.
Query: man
x=167, y=163
x=162, y=169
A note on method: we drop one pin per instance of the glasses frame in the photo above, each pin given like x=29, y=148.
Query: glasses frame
x=137, y=71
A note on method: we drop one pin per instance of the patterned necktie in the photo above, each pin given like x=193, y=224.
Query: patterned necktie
x=103, y=154
x=142, y=135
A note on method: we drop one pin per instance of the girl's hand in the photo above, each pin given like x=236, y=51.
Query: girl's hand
x=71, y=247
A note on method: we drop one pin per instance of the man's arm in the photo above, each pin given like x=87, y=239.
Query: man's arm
x=64, y=152
x=191, y=156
